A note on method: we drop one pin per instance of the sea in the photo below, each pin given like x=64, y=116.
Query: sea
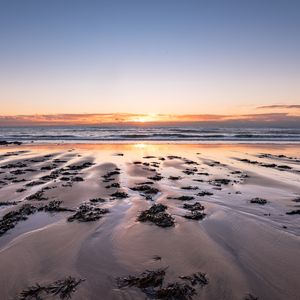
x=127, y=134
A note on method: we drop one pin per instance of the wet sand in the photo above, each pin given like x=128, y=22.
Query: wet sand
x=242, y=246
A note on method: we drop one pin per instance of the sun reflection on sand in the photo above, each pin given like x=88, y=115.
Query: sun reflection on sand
x=140, y=145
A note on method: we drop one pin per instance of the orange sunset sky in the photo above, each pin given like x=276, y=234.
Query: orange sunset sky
x=144, y=62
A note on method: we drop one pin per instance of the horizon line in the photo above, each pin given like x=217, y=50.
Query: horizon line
x=129, y=119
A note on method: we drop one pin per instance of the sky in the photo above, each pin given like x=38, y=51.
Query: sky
x=149, y=60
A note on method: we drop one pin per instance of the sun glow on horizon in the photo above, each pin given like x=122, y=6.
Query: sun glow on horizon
x=279, y=114
x=145, y=118
x=139, y=120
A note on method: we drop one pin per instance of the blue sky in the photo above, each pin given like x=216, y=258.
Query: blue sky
x=148, y=56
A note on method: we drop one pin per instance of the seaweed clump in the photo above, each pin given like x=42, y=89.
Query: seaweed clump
x=196, y=211
x=14, y=165
x=220, y=181
x=195, y=215
x=156, y=177
x=182, y=198
x=80, y=167
x=189, y=187
x=38, y=196
x=151, y=284
x=196, y=279
x=62, y=288
x=260, y=201
x=294, y=212
x=11, y=219
x=108, y=176
x=175, y=178
x=113, y=185
x=88, y=213
x=251, y=297
x=34, y=183
x=175, y=291
x=157, y=215
x=145, y=280
x=204, y=193
x=8, y=203
x=146, y=189
x=97, y=200
x=189, y=171
x=120, y=195
x=54, y=206
x=193, y=207
x=77, y=179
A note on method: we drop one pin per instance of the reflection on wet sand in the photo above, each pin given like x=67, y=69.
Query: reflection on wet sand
x=163, y=221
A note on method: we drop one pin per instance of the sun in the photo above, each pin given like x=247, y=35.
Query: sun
x=145, y=118
x=140, y=120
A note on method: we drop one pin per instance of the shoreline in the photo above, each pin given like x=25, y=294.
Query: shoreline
x=179, y=142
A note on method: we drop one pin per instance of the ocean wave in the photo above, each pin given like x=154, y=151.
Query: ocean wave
x=117, y=133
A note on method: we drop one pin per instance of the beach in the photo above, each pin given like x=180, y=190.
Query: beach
x=228, y=213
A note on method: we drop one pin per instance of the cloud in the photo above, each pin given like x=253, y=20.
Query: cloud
x=279, y=106
x=63, y=119
x=251, y=120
